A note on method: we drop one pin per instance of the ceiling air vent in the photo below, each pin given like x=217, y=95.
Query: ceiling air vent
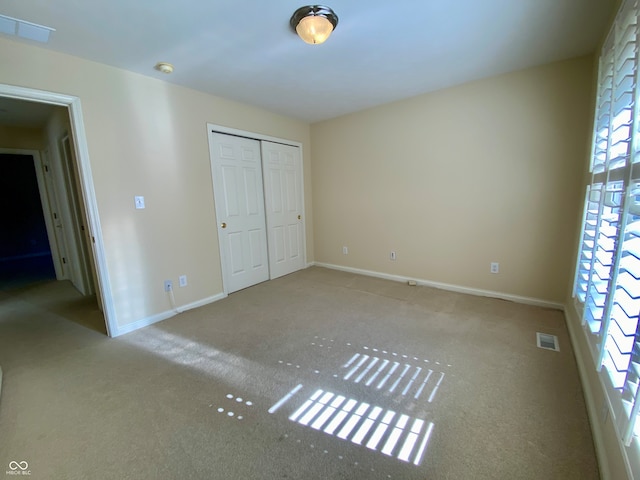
x=24, y=29
x=548, y=342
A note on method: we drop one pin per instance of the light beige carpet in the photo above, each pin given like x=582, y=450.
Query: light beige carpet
x=317, y=375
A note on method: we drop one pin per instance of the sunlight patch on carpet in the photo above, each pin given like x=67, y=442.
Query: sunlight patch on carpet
x=233, y=406
x=390, y=433
x=406, y=378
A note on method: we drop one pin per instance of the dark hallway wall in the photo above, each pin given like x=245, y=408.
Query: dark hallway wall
x=25, y=255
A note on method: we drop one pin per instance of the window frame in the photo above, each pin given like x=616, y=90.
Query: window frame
x=610, y=220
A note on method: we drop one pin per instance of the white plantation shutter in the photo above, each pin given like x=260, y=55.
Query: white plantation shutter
x=590, y=286
x=607, y=283
x=599, y=243
x=623, y=357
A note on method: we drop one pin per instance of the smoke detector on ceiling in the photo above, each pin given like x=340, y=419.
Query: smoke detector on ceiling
x=164, y=67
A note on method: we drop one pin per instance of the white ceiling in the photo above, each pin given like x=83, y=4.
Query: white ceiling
x=381, y=51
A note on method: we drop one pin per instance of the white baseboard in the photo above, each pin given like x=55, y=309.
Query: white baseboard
x=145, y=322
x=446, y=286
x=203, y=302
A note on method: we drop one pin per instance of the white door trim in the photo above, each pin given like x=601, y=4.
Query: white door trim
x=255, y=136
x=258, y=136
x=44, y=162
x=75, y=212
x=86, y=184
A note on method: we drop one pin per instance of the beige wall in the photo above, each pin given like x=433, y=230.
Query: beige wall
x=148, y=137
x=459, y=178
x=21, y=138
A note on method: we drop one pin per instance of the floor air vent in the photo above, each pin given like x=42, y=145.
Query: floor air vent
x=548, y=342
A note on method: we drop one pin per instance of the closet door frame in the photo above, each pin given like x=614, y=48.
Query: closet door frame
x=211, y=127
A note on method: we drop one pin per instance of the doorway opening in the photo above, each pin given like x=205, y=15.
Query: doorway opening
x=67, y=197
x=25, y=253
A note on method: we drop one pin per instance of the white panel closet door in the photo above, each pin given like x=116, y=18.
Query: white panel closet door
x=283, y=202
x=239, y=197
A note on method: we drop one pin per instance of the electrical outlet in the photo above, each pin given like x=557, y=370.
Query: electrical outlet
x=182, y=280
x=392, y=256
x=168, y=285
x=345, y=250
x=495, y=267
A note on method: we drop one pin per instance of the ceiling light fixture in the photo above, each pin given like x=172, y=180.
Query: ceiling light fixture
x=164, y=67
x=314, y=23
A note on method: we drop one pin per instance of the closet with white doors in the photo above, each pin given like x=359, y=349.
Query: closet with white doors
x=259, y=204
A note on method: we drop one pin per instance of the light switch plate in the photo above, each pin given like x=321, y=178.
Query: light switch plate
x=139, y=202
